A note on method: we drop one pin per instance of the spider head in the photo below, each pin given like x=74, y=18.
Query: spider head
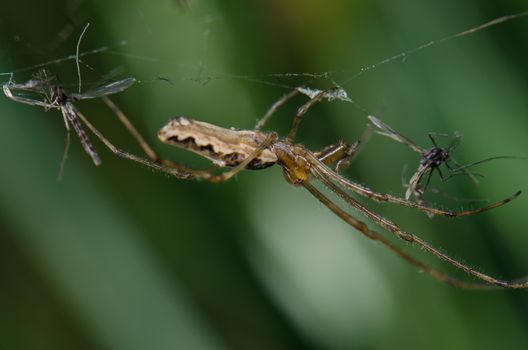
x=294, y=177
x=295, y=167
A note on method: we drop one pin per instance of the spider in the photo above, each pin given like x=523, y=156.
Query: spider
x=256, y=149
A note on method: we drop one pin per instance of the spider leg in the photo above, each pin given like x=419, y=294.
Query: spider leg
x=410, y=238
x=272, y=137
x=357, y=148
x=275, y=107
x=131, y=129
x=321, y=170
x=174, y=169
x=149, y=151
x=344, y=162
x=301, y=112
x=375, y=236
x=343, y=154
x=340, y=153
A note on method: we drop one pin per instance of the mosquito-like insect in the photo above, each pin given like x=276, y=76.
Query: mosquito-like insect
x=431, y=160
x=54, y=96
x=256, y=149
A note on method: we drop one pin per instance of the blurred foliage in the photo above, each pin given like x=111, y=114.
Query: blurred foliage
x=120, y=257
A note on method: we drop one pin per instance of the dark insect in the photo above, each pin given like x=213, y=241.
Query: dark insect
x=431, y=160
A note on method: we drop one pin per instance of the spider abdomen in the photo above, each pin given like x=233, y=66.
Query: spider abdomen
x=224, y=147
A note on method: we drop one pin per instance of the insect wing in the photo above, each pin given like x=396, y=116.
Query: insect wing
x=104, y=90
x=414, y=182
x=393, y=134
x=458, y=136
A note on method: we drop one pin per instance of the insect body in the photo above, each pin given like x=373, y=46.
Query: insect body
x=55, y=97
x=431, y=159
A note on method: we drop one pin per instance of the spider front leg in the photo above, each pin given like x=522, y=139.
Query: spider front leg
x=172, y=168
x=149, y=151
x=301, y=112
x=340, y=153
x=262, y=121
x=272, y=137
x=175, y=169
x=154, y=161
x=168, y=166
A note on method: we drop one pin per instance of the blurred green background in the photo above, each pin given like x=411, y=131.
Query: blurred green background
x=120, y=257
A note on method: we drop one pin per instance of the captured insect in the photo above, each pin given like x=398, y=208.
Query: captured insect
x=51, y=95
x=431, y=159
x=256, y=149
x=54, y=96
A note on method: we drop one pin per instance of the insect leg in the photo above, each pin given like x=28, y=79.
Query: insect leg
x=71, y=113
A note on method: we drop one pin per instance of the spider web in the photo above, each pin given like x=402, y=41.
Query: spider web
x=200, y=73
x=84, y=62
x=334, y=82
